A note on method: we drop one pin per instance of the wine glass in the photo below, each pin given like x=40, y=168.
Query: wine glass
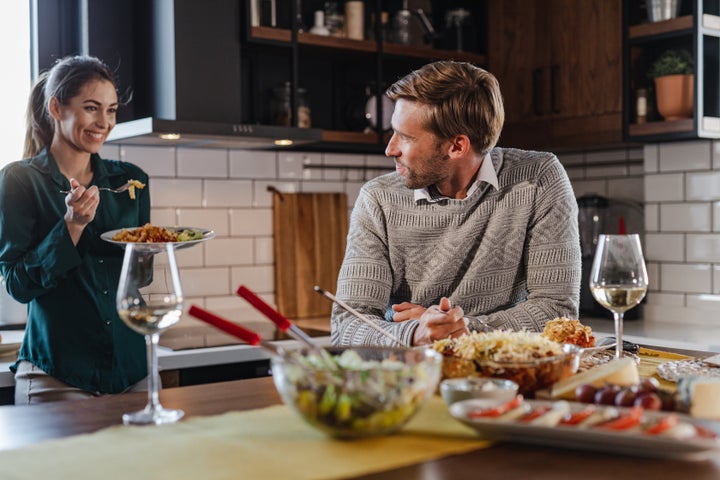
x=150, y=300
x=618, y=279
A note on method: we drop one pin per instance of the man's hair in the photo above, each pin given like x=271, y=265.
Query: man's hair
x=463, y=100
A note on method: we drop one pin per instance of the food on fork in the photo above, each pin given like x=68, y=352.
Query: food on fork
x=152, y=234
x=133, y=185
x=565, y=330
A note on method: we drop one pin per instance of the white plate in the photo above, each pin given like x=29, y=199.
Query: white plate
x=160, y=246
x=622, y=442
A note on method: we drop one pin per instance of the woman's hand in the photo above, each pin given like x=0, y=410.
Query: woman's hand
x=440, y=321
x=407, y=311
x=81, y=206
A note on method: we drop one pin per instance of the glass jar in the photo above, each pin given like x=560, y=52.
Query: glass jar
x=281, y=109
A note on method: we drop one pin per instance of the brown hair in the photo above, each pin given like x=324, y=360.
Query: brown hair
x=463, y=99
x=63, y=81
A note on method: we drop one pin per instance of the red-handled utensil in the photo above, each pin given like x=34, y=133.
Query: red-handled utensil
x=232, y=328
x=284, y=324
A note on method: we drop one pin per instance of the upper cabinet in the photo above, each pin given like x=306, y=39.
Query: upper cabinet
x=336, y=82
x=559, y=64
x=672, y=57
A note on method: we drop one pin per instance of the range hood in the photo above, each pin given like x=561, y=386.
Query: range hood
x=161, y=132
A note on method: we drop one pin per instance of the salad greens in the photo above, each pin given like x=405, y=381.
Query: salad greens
x=188, y=235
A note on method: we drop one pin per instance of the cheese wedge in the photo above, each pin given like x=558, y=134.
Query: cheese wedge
x=621, y=371
x=699, y=395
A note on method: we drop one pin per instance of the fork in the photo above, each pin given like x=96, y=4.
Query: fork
x=120, y=189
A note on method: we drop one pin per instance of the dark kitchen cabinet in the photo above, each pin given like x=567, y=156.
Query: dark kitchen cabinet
x=559, y=63
x=340, y=75
x=697, y=29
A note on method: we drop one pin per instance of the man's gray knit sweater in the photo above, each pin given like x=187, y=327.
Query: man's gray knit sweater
x=509, y=257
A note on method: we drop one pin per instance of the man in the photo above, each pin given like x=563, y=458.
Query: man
x=462, y=236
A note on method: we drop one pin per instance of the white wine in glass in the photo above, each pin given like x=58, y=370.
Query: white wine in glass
x=618, y=279
x=150, y=300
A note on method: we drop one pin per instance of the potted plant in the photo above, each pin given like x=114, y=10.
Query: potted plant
x=673, y=73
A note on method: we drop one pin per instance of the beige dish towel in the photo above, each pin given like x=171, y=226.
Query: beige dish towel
x=270, y=443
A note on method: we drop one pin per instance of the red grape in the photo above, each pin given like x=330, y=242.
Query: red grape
x=648, y=400
x=606, y=395
x=650, y=384
x=585, y=393
x=625, y=398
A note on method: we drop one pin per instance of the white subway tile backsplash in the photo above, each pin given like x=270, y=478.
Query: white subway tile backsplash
x=587, y=187
x=250, y=222
x=652, y=217
x=110, y=151
x=664, y=187
x=315, y=187
x=262, y=197
x=310, y=172
x=230, y=251
x=228, y=193
x=650, y=158
x=716, y=216
x=338, y=160
x=685, y=217
x=665, y=247
x=260, y=279
x=716, y=279
x=690, y=278
x=636, y=153
x=703, y=186
x=264, y=250
x=216, y=219
x=290, y=165
x=703, y=248
x=163, y=216
x=593, y=158
x=571, y=159
x=600, y=171
x=629, y=188
x=253, y=164
x=704, y=302
x=202, y=162
x=156, y=161
x=381, y=161
x=191, y=257
x=352, y=189
x=205, y=281
x=575, y=173
x=171, y=192
x=668, y=299
x=716, y=155
x=684, y=156
x=653, y=269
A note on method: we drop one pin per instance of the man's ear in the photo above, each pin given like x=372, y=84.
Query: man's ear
x=459, y=146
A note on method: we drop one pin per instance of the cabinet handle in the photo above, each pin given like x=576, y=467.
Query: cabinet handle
x=537, y=97
x=553, y=90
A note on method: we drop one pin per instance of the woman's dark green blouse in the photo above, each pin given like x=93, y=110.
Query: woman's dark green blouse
x=73, y=330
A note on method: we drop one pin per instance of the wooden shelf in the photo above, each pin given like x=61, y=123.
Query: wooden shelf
x=349, y=137
x=370, y=46
x=679, y=25
x=659, y=128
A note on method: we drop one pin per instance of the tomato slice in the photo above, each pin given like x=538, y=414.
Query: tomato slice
x=499, y=410
x=535, y=413
x=665, y=423
x=577, y=417
x=703, y=432
x=625, y=421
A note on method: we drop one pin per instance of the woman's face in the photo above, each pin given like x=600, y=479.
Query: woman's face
x=418, y=154
x=86, y=121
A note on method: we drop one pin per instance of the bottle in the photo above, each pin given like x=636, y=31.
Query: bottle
x=401, y=25
x=282, y=111
x=319, y=28
x=334, y=20
x=355, y=20
x=641, y=106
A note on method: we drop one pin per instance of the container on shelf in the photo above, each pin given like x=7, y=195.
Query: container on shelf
x=282, y=111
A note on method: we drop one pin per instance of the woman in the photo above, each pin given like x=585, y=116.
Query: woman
x=51, y=253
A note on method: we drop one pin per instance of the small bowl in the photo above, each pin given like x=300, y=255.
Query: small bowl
x=456, y=389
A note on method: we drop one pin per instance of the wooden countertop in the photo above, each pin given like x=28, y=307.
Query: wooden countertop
x=25, y=425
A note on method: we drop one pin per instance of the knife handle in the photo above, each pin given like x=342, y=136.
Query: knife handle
x=225, y=325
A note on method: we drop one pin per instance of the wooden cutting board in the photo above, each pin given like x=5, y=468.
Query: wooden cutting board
x=310, y=230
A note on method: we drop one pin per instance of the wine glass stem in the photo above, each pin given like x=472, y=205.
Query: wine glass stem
x=618, y=334
x=153, y=376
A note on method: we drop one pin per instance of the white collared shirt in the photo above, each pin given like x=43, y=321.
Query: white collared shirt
x=485, y=174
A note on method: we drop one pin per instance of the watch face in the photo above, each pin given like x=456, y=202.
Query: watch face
x=371, y=112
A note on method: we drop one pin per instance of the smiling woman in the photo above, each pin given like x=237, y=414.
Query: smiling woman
x=15, y=52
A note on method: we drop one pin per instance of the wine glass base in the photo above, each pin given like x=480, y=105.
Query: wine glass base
x=152, y=416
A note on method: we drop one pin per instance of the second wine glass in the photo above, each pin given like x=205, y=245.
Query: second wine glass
x=618, y=279
x=150, y=300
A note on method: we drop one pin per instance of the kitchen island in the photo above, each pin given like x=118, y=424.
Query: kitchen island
x=22, y=426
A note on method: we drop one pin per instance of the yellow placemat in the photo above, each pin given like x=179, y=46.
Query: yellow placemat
x=270, y=443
